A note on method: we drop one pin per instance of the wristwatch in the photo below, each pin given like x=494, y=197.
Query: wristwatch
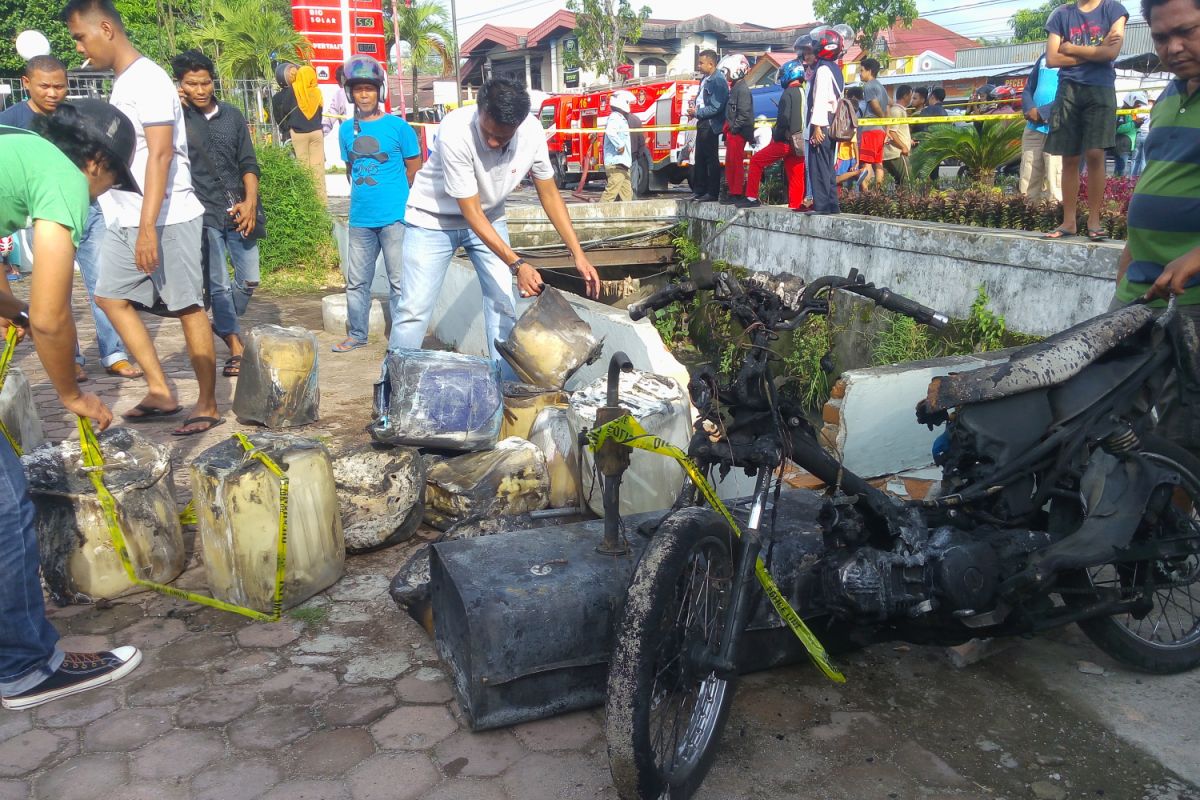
x=21, y=320
x=516, y=266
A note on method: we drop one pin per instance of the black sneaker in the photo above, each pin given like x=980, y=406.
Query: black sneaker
x=748, y=202
x=78, y=673
x=709, y=198
x=731, y=200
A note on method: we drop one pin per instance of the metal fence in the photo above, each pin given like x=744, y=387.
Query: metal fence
x=252, y=97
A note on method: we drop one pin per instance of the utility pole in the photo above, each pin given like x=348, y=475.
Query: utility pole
x=457, y=59
x=399, y=61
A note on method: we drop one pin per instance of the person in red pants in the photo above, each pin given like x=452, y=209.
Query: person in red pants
x=789, y=120
x=739, y=124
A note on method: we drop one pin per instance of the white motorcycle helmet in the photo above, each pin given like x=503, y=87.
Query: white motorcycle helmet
x=621, y=101
x=733, y=66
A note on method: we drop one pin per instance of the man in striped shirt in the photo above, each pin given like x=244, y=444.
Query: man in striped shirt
x=1162, y=251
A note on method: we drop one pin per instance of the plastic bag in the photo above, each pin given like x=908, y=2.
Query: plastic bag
x=549, y=342
x=511, y=479
x=277, y=386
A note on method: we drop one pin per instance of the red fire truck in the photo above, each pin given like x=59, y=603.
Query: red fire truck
x=657, y=102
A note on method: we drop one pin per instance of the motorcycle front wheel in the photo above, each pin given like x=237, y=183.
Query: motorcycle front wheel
x=1166, y=639
x=665, y=710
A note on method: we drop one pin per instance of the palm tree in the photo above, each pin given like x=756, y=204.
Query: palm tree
x=244, y=35
x=425, y=26
x=981, y=150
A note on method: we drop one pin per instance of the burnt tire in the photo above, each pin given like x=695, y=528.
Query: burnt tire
x=639, y=175
x=560, y=171
x=676, y=607
x=1167, y=639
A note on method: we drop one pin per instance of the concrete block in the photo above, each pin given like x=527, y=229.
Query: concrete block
x=333, y=317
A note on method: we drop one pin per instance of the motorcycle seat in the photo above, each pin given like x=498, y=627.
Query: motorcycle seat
x=1048, y=363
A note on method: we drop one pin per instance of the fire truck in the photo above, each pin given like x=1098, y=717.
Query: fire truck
x=656, y=102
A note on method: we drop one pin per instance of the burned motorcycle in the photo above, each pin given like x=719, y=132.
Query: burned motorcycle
x=1058, y=504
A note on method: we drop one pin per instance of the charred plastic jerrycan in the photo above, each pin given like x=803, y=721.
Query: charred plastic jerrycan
x=277, y=386
x=381, y=492
x=428, y=398
x=509, y=479
x=551, y=432
x=18, y=412
x=522, y=403
x=662, y=407
x=549, y=342
x=237, y=500
x=79, y=562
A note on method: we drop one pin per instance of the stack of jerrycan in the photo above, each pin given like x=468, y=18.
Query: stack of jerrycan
x=79, y=562
x=238, y=502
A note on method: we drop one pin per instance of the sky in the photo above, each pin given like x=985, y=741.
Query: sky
x=972, y=19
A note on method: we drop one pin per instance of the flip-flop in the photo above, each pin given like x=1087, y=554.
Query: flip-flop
x=1097, y=235
x=233, y=367
x=347, y=345
x=212, y=423
x=123, y=369
x=1060, y=233
x=149, y=413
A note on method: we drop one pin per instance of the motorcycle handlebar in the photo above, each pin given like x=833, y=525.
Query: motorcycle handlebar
x=885, y=298
x=683, y=290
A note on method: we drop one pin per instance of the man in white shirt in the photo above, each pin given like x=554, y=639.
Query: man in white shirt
x=827, y=87
x=152, y=250
x=618, y=158
x=483, y=153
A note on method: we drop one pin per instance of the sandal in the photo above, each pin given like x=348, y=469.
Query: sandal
x=347, y=345
x=81, y=375
x=209, y=424
x=149, y=413
x=1096, y=234
x=123, y=369
x=1060, y=233
x=233, y=367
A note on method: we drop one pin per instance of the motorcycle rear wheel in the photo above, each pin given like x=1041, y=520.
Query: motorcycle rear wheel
x=665, y=712
x=1167, y=639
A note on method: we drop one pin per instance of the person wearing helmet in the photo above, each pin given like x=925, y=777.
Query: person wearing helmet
x=710, y=121
x=823, y=97
x=382, y=157
x=85, y=148
x=739, y=124
x=225, y=177
x=618, y=149
x=1142, y=120
x=789, y=121
x=871, y=138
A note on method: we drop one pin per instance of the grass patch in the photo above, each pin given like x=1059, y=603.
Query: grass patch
x=310, y=615
x=303, y=279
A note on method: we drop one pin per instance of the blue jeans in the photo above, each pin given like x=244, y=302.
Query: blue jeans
x=427, y=256
x=108, y=342
x=1139, y=152
x=229, y=300
x=365, y=246
x=28, y=642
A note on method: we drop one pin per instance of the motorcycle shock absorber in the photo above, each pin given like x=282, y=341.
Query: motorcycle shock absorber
x=1123, y=439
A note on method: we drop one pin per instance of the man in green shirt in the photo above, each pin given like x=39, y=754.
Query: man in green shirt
x=48, y=182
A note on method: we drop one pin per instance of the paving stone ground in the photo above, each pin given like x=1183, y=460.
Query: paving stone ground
x=346, y=698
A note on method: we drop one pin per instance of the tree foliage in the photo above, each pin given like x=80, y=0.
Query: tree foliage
x=981, y=152
x=868, y=17
x=425, y=25
x=604, y=28
x=242, y=36
x=1029, y=24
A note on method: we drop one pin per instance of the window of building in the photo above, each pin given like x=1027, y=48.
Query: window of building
x=652, y=67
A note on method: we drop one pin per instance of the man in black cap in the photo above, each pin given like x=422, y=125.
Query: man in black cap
x=84, y=150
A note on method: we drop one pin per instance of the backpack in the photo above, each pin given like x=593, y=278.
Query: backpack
x=844, y=125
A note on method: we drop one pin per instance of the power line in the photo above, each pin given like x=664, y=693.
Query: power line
x=504, y=10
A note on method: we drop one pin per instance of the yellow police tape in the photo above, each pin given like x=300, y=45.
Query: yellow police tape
x=93, y=460
x=626, y=430
x=10, y=345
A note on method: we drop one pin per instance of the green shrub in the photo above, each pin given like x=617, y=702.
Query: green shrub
x=298, y=251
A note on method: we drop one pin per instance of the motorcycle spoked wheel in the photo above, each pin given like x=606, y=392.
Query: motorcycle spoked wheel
x=665, y=713
x=1167, y=639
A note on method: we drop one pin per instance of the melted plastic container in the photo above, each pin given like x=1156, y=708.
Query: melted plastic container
x=551, y=432
x=522, y=404
x=549, y=342
x=511, y=479
x=381, y=492
x=79, y=562
x=429, y=398
x=277, y=386
x=237, y=501
x=662, y=407
x=19, y=413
